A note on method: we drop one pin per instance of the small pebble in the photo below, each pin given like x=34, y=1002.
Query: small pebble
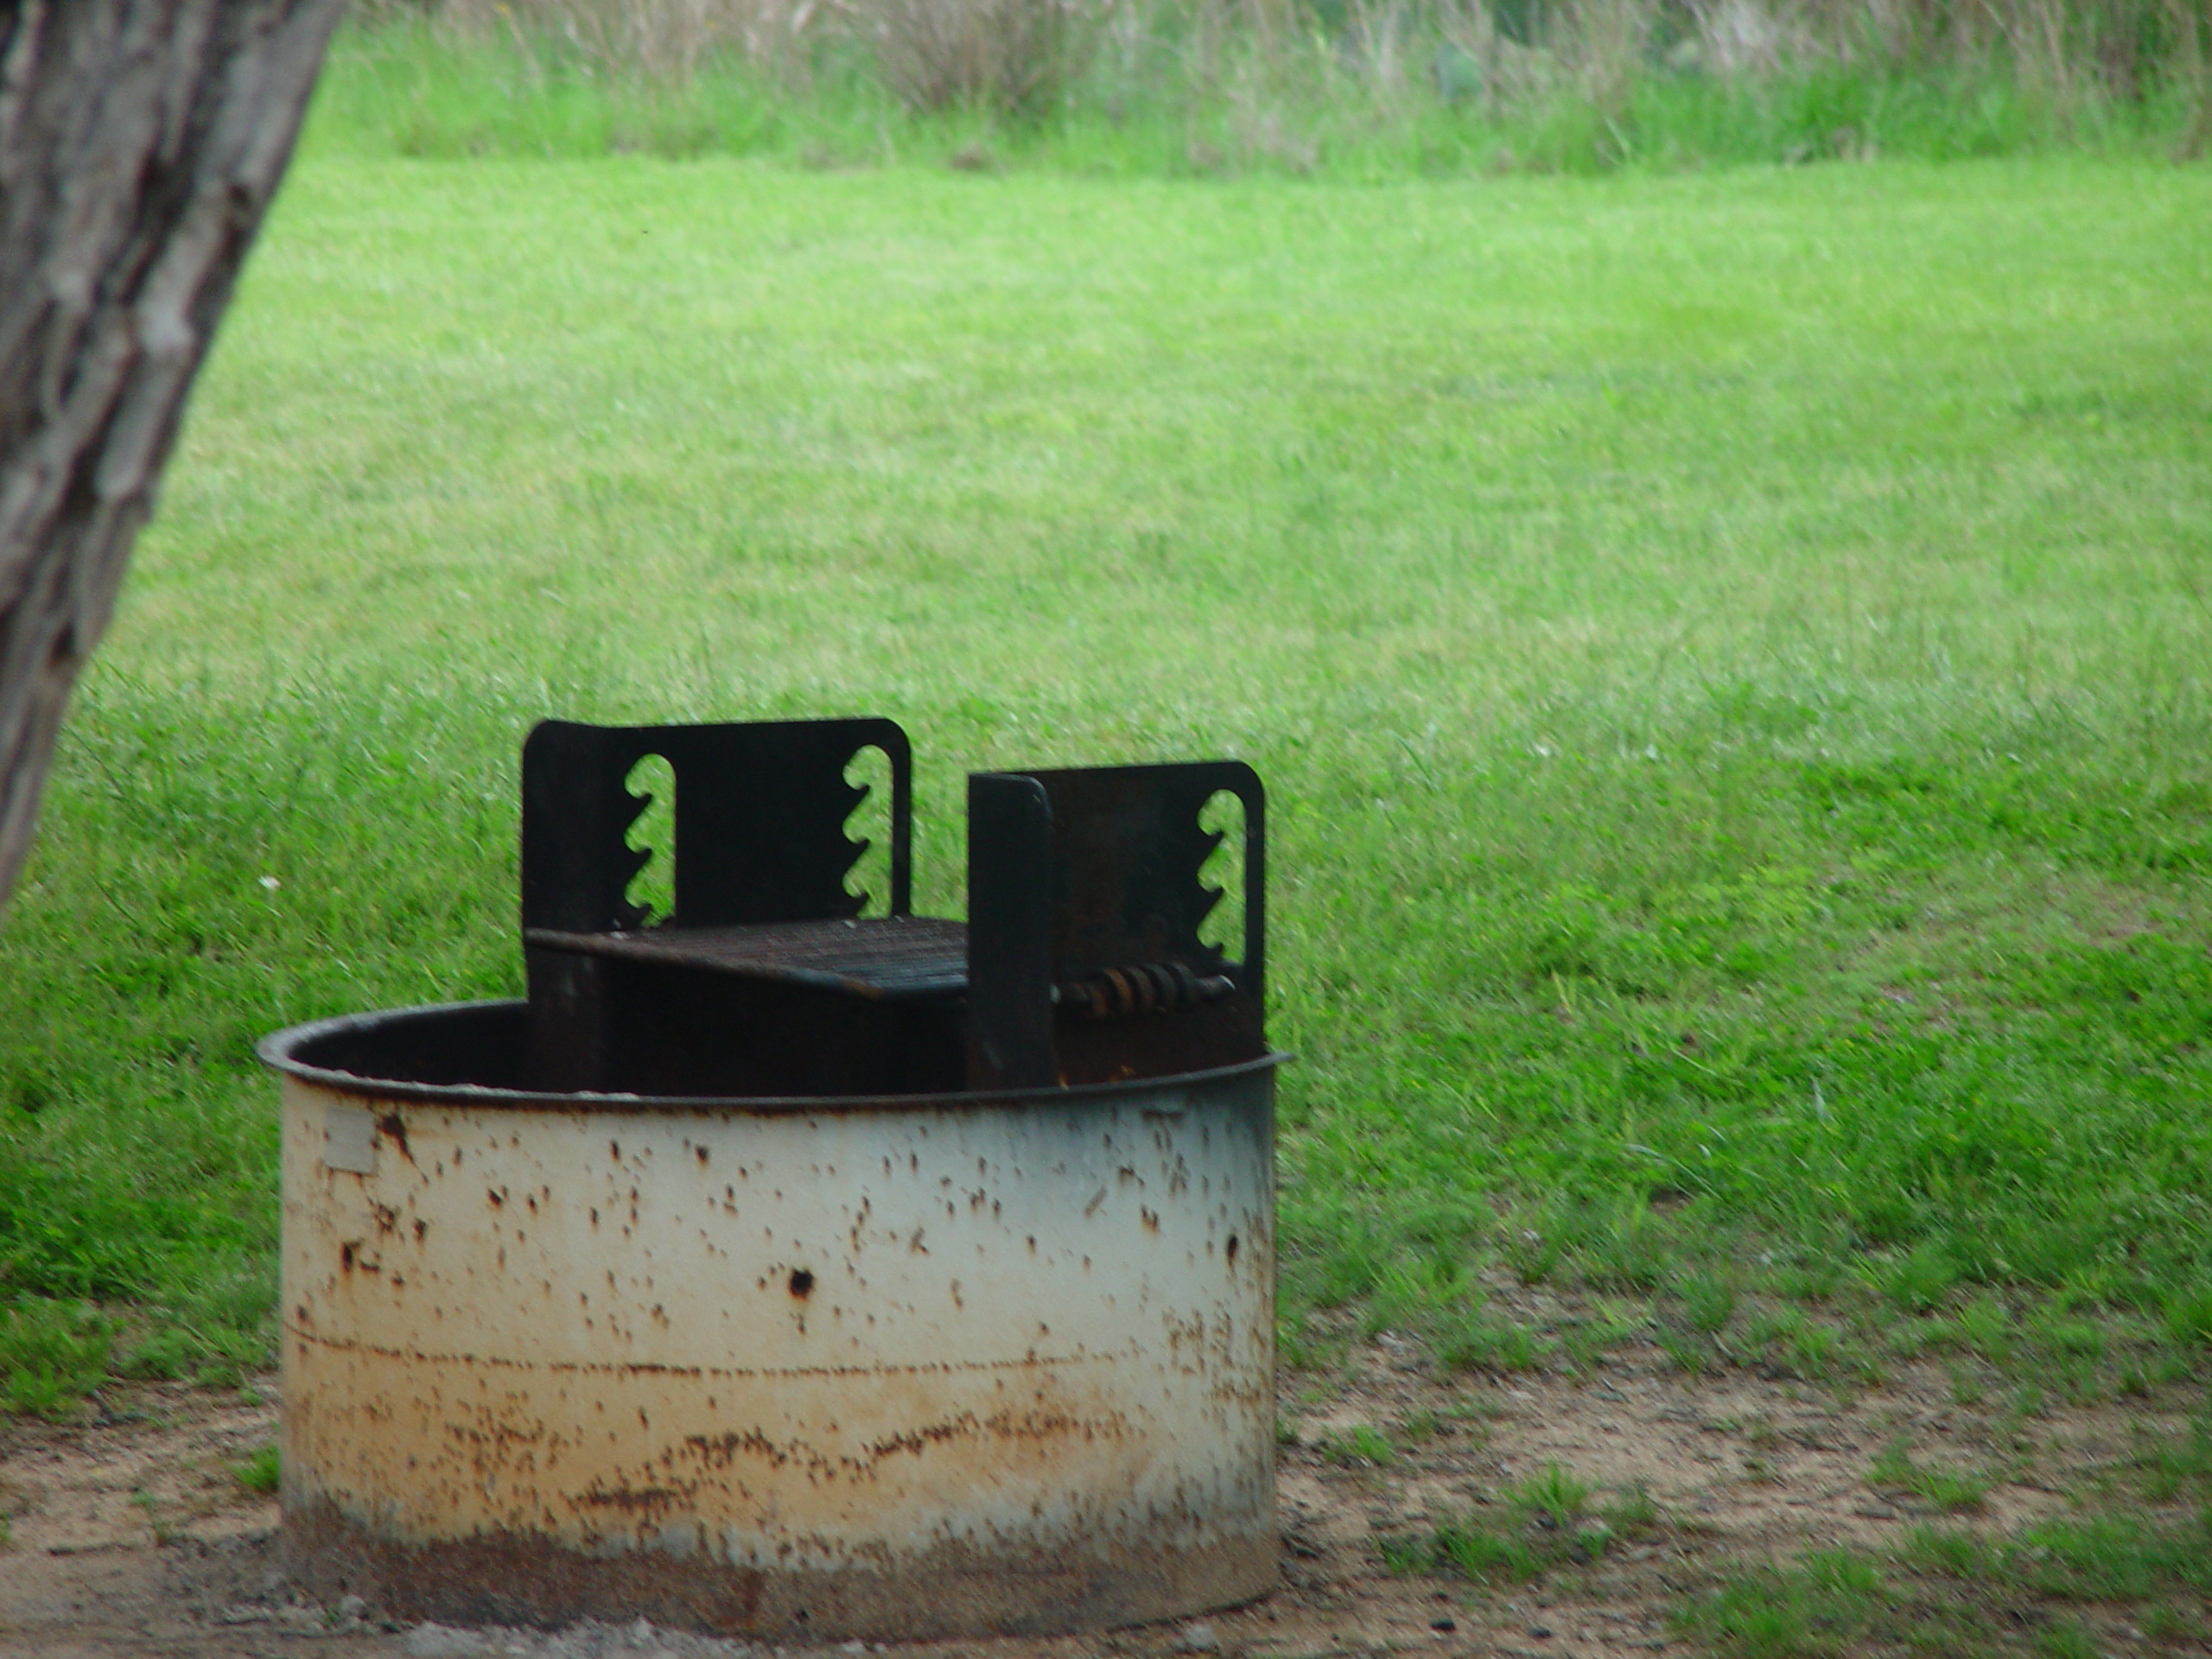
x=1200, y=1639
x=1541, y=1632
x=1446, y=1624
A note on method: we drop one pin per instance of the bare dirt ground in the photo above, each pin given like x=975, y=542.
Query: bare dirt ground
x=131, y=1536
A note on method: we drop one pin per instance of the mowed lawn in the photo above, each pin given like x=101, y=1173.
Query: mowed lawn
x=1729, y=656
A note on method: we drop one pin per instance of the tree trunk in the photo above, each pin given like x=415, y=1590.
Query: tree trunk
x=140, y=142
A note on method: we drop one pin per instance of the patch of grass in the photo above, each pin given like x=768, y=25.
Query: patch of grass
x=1361, y=1446
x=1584, y=1342
x=1551, y=1520
x=261, y=1473
x=2179, y=1465
x=1482, y=1341
x=1955, y=1490
x=1952, y=1591
x=52, y=1353
x=1830, y=1602
x=1708, y=1297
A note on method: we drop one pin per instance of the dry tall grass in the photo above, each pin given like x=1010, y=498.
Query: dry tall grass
x=1026, y=55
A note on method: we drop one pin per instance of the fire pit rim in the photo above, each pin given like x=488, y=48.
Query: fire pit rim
x=276, y=1051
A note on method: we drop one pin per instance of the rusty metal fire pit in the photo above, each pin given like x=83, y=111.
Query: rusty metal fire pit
x=778, y=1271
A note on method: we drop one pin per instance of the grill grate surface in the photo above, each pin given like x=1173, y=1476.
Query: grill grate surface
x=885, y=959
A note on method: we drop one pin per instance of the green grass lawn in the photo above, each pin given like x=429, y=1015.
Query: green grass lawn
x=1729, y=656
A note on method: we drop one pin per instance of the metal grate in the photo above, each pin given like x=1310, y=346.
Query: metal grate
x=882, y=958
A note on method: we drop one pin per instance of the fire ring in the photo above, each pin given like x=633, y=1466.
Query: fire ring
x=798, y=1275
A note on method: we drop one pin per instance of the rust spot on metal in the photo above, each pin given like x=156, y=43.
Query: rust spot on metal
x=645, y=1499
x=498, y=1198
x=951, y=1591
x=391, y=1124
x=801, y=1283
x=720, y=1451
x=1232, y=1249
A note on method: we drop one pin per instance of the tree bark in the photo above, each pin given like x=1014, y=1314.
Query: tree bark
x=140, y=143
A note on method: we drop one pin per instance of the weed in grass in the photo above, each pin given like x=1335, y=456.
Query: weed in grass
x=1918, y=1280
x=2080, y=1383
x=1481, y=1342
x=1552, y=1498
x=261, y=1473
x=1624, y=1246
x=1907, y=1338
x=2069, y=1338
x=1790, y=1342
x=2188, y=1312
x=2067, y=1639
x=1814, y=1277
x=2117, y=1557
x=1584, y=1343
x=1686, y=1354
x=1300, y=1346
x=2168, y=1625
x=1533, y=1253
x=1361, y=1446
x=1634, y=1512
x=1947, y=1590
x=1952, y=1553
x=1824, y=1605
x=52, y=1353
x=1951, y=1490
x=1422, y=1424
x=1476, y=1409
x=1986, y=1327
x=2172, y=1466
x=1708, y=1297
x=1551, y=1520
x=1815, y=1351
x=158, y=1517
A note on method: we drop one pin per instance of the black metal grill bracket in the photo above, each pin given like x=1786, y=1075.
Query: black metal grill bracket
x=1081, y=961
